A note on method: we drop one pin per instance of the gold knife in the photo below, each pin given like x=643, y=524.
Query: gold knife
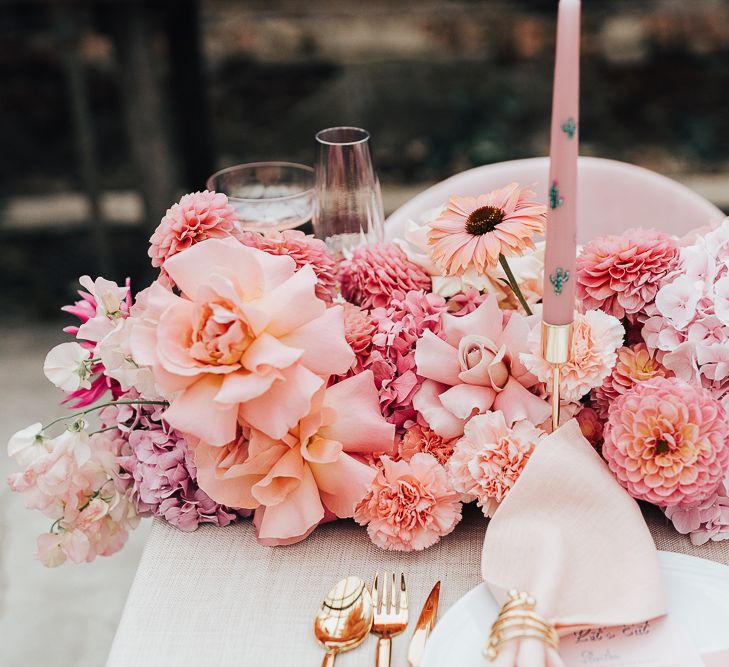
x=423, y=628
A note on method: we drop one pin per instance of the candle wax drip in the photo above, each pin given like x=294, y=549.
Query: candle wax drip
x=484, y=220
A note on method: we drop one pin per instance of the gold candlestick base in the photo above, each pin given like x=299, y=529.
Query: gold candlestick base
x=556, y=350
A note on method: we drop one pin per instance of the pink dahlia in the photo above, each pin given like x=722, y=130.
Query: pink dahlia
x=392, y=360
x=489, y=458
x=473, y=232
x=374, y=272
x=196, y=217
x=667, y=441
x=303, y=250
x=634, y=364
x=409, y=505
x=621, y=274
x=359, y=328
x=422, y=440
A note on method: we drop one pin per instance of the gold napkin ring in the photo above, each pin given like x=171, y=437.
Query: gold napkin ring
x=518, y=620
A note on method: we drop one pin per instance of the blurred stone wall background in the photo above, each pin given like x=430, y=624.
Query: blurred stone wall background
x=111, y=109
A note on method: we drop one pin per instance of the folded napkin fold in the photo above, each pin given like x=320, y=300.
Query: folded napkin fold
x=572, y=538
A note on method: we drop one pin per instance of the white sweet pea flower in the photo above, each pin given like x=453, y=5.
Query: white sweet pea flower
x=23, y=445
x=116, y=355
x=67, y=367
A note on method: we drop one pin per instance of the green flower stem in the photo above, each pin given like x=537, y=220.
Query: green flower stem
x=513, y=284
x=81, y=413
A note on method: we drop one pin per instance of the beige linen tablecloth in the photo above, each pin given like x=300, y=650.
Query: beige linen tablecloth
x=216, y=597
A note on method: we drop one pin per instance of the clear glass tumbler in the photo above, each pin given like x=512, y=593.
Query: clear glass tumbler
x=348, y=209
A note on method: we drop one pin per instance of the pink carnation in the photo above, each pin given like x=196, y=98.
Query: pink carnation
x=489, y=458
x=621, y=274
x=303, y=250
x=374, y=272
x=422, y=440
x=634, y=364
x=359, y=328
x=666, y=441
x=197, y=216
x=393, y=350
x=409, y=505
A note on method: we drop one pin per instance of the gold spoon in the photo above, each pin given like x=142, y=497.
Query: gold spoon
x=344, y=618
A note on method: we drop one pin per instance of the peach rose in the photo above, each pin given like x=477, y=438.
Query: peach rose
x=296, y=482
x=247, y=341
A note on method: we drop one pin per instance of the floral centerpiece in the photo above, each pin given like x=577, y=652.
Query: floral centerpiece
x=264, y=379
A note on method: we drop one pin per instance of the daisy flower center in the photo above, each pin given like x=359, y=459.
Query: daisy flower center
x=484, y=220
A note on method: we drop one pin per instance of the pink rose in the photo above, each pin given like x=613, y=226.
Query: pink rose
x=247, y=341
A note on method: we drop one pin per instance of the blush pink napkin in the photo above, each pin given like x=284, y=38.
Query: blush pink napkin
x=570, y=536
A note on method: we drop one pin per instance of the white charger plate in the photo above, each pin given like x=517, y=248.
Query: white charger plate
x=697, y=592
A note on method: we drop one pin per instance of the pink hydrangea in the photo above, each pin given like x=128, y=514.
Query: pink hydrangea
x=161, y=470
x=303, y=250
x=667, y=441
x=703, y=521
x=465, y=302
x=359, y=327
x=422, y=440
x=409, y=505
x=375, y=272
x=688, y=324
x=399, y=327
x=489, y=458
x=635, y=363
x=196, y=217
x=621, y=274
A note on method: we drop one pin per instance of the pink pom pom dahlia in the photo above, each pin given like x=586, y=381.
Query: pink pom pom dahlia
x=409, y=505
x=374, y=272
x=359, y=328
x=666, y=440
x=621, y=274
x=303, y=250
x=196, y=217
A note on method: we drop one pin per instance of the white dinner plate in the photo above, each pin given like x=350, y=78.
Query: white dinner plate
x=697, y=591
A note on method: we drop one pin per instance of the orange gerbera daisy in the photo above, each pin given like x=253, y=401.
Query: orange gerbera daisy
x=472, y=232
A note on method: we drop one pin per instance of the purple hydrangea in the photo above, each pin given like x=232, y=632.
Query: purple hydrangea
x=161, y=470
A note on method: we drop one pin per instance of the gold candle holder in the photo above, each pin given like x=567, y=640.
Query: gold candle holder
x=556, y=350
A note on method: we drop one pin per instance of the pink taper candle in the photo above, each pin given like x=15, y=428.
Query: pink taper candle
x=561, y=247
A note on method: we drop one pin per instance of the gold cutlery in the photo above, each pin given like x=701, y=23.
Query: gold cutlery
x=344, y=619
x=391, y=615
x=425, y=624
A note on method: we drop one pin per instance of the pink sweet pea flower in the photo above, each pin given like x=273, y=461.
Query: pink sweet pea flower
x=247, y=341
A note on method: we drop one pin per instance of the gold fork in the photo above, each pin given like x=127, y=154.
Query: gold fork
x=391, y=615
